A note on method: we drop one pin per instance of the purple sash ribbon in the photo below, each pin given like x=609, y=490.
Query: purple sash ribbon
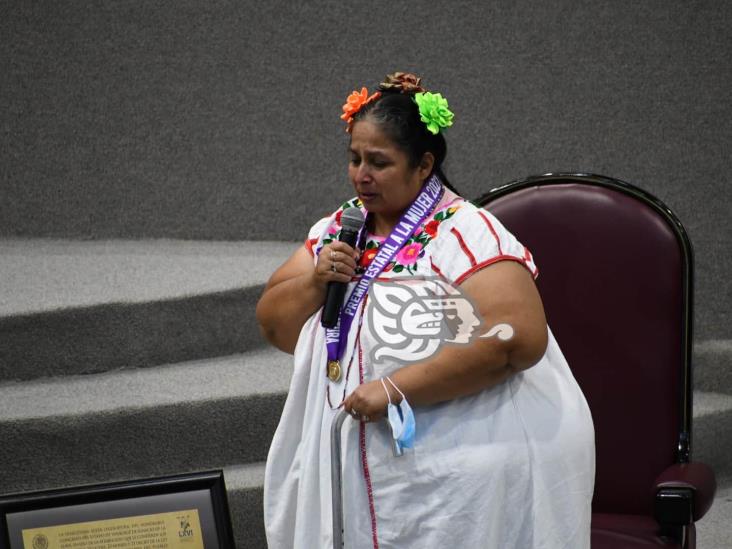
x=336, y=338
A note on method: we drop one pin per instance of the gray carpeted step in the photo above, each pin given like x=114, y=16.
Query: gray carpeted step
x=244, y=488
x=712, y=431
x=713, y=365
x=712, y=415
x=713, y=530
x=73, y=307
x=140, y=423
x=182, y=417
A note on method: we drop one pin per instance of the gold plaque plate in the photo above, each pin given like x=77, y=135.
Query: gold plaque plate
x=174, y=530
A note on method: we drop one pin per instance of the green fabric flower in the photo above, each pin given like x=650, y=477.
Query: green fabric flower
x=433, y=111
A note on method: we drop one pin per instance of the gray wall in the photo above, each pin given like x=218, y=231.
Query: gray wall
x=205, y=119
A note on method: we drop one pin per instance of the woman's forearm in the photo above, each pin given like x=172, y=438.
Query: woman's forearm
x=454, y=372
x=462, y=370
x=505, y=294
x=298, y=288
x=284, y=308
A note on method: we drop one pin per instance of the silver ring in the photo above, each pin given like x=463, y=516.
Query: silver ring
x=332, y=255
x=333, y=268
x=355, y=414
x=365, y=419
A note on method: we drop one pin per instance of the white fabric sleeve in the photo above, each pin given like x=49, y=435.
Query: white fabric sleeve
x=316, y=232
x=472, y=240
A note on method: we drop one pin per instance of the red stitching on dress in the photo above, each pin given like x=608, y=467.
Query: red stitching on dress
x=364, y=460
x=358, y=344
x=309, y=245
x=471, y=257
x=530, y=261
x=436, y=269
x=492, y=260
x=379, y=278
x=490, y=227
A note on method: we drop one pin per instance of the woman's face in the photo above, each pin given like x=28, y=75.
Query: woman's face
x=380, y=172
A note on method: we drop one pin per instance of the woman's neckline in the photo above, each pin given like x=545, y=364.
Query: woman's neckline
x=448, y=198
x=371, y=221
x=372, y=236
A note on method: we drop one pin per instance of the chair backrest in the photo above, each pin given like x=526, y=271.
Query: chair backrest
x=615, y=276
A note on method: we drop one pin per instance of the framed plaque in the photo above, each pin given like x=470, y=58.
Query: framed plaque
x=178, y=512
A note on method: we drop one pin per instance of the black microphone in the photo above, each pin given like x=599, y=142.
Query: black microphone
x=351, y=222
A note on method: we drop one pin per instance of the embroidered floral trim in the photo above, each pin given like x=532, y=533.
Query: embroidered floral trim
x=334, y=229
x=367, y=256
x=412, y=250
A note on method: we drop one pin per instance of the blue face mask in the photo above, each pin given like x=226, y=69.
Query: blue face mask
x=401, y=420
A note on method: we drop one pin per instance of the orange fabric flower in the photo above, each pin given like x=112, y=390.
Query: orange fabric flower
x=355, y=103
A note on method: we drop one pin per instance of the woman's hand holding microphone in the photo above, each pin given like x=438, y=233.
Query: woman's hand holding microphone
x=336, y=263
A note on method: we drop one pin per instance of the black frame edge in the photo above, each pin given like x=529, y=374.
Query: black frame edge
x=213, y=481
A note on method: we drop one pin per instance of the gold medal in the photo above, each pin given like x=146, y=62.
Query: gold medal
x=334, y=370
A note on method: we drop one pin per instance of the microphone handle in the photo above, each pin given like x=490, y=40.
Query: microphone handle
x=336, y=290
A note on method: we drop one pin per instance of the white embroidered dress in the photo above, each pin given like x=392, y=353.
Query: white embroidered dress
x=510, y=467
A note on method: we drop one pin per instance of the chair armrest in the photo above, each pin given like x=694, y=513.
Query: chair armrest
x=681, y=485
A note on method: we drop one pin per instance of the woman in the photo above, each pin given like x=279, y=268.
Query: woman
x=502, y=452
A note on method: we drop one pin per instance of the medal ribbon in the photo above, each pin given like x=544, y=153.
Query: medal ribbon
x=428, y=197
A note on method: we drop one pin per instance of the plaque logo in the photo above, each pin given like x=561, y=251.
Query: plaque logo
x=185, y=532
x=40, y=542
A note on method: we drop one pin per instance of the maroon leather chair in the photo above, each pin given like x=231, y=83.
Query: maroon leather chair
x=616, y=279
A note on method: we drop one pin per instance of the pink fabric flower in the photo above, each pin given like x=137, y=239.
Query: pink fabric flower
x=408, y=254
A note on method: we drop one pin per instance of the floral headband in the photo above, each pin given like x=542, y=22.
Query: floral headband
x=432, y=107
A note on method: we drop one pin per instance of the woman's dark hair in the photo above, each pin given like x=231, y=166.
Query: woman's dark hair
x=397, y=115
